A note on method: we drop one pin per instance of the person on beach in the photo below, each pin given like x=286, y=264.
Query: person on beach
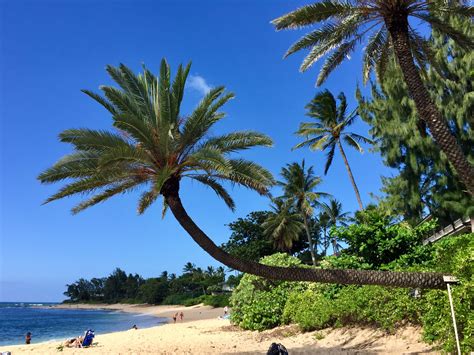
x=226, y=310
x=181, y=315
x=135, y=327
x=175, y=317
x=74, y=342
x=28, y=338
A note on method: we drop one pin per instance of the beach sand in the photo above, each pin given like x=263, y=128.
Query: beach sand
x=203, y=333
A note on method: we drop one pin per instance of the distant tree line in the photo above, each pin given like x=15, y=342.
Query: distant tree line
x=192, y=286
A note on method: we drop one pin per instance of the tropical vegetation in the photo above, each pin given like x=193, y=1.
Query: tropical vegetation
x=195, y=285
x=156, y=147
x=329, y=129
x=384, y=28
x=260, y=304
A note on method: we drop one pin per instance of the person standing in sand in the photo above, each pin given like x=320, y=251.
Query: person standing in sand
x=28, y=338
x=181, y=315
x=226, y=310
x=175, y=317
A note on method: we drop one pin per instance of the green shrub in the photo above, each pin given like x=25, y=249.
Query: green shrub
x=221, y=300
x=177, y=299
x=310, y=310
x=454, y=256
x=257, y=304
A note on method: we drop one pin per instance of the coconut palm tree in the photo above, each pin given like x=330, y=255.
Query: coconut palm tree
x=335, y=217
x=298, y=189
x=159, y=148
x=385, y=28
x=329, y=128
x=283, y=224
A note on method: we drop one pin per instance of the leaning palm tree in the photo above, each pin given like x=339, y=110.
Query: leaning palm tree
x=335, y=217
x=329, y=128
x=157, y=148
x=385, y=24
x=283, y=224
x=298, y=187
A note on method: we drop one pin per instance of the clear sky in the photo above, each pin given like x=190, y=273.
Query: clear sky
x=52, y=49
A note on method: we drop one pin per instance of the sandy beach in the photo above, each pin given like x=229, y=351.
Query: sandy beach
x=202, y=332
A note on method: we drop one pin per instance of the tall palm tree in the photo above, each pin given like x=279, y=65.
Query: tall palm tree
x=386, y=27
x=298, y=187
x=160, y=148
x=283, y=224
x=335, y=217
x=329, y=128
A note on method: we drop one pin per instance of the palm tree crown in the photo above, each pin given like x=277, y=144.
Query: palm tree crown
x=329, y=128
x=349, y=23
x=283, y=225
x=154, y=144
x=385, y=24
x=298, y=190
x=298, y=186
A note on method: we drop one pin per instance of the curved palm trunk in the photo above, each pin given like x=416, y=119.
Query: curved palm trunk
x=351, y=177
x=398, y=28
x=310, y=241
x=356, y=277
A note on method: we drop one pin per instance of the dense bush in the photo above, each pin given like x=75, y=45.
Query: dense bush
x=316, y=306
x=221, y=300
x=257, y=304
x=455, y=256
x=377, y=240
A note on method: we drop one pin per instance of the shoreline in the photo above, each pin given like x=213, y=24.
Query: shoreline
x=192, y=313
x=202, y=331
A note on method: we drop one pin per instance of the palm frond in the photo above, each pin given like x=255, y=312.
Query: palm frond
x=446, y=29
x=105, y=195
x=335, y=59
x=75, y=165
x=353, y=143
x=250, y=175
x=309, y=14
x=146, y=200
x=235, y=141
x=218, y=189
x=329, y=158
x=372, y=52
x=88, y=139
x=104, y=102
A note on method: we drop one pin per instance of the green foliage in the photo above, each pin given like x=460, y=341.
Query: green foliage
x=339, y=27
x=257, y=304
x=310, y=310
x=193, y=286
x=248, y=240
x=158, y=145
x=378, y=240
x=221, y=300
x=452, y=255
x=426, y=180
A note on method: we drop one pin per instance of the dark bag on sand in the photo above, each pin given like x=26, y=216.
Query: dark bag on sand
x=277, y=349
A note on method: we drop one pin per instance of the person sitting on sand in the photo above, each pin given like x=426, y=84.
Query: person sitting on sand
x=175, y=317
x=74, y=342
x=135, y=327
x=181, y=315
x=28, y=338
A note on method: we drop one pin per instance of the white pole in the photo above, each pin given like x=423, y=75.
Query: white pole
x=454, y=319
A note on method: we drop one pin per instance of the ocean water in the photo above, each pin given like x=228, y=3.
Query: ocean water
x=45, y=323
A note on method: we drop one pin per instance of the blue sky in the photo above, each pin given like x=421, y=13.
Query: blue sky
x=52, y=49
